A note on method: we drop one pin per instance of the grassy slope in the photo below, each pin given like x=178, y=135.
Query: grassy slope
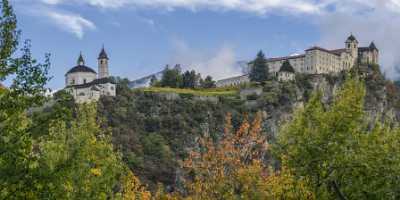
x=196, y=92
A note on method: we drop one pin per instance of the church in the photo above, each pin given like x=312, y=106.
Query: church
x=85, y=85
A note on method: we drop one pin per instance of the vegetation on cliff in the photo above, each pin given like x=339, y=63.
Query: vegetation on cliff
x=321, y=137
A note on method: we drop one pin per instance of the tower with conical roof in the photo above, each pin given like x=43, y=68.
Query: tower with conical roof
x=103, y=64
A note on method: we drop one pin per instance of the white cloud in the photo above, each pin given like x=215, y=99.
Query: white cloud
x=70, y=22
x=368, y=19
x=221, y=63
x=256, y=6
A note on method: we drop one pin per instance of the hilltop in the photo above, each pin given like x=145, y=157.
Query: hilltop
x=156, y=127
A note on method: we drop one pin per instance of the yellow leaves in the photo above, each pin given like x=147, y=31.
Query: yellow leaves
x=232, y=166
x=95, y=171
x=283, y=185
x=133, y=189
x=68, y=187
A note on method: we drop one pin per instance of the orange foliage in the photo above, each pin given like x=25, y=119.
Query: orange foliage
x=219, y=167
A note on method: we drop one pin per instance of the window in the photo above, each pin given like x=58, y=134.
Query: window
x=84, y=80
x=112, y=87
x=73, y=81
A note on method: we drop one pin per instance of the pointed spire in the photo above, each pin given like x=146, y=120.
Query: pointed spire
x=103, y=54
x=287, y=67
x=372, y=46
x=81, y=61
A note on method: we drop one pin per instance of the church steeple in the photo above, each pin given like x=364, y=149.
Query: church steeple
x=81, y=61
x=103, y=54
x=103, y=64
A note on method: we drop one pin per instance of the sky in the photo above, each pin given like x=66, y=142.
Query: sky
x=210, y=36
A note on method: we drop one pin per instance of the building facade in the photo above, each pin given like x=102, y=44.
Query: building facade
x=234, y=81
x=317, y=60
x=83, y=83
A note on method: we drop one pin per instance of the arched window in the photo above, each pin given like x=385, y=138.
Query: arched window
x=84, y=80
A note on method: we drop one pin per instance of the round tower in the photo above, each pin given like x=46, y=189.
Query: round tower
x=103, y=64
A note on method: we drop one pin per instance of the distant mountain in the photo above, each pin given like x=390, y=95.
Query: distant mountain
x=145, y=81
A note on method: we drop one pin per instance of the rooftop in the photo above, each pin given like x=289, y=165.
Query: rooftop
x=95, y=82
x=81, y=68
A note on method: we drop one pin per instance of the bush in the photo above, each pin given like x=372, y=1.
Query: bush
x=252, y=97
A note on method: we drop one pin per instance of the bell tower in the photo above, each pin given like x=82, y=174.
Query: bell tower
x=352, y=47
x=103, y=64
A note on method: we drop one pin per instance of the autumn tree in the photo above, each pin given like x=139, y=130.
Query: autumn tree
x=234, y=167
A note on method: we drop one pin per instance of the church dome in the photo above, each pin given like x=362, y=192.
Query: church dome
x=81, y=67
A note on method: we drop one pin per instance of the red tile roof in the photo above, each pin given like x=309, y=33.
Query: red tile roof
x=285, y=58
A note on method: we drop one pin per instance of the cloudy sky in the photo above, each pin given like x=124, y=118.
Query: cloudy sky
x=142, y=36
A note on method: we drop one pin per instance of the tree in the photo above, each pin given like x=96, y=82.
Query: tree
x=78, y=161
x=232, y=168
x=333, y=148
x=71, y=159
x=208, y=82
x=27, y=90
x=171, y=77
x=153, y=81
x=190, y=79
x=259, y=70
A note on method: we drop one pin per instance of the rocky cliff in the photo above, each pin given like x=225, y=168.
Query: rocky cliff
x=155, y=130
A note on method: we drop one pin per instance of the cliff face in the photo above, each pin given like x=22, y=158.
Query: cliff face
x=156, y=130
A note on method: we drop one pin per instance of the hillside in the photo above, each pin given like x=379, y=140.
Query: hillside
x=156, y=127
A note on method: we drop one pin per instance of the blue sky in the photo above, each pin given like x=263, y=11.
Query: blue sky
x=142, y=36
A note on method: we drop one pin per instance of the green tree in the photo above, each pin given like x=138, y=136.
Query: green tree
x=71, y=159
x=333, y=148
x=27, y=90
x=153, y=81
x=259, y=70
x=171, y=77
x=77, y=161
x=208, y=82
x=190, y=79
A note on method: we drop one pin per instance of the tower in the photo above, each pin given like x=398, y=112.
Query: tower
x=374, y=52
x=352, y=46
x=81, y=61
x=103, y=64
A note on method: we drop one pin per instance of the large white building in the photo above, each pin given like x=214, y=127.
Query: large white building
x=83, y=83
x=317, y=60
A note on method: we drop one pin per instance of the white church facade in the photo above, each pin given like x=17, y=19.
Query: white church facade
x=85, y=85
x=317, y=60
